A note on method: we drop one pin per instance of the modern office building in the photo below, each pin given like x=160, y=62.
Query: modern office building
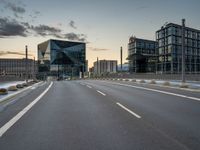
x=105, y=66
x=169, y=39
x=142, y=55
x=17, y=67
x=61, y=58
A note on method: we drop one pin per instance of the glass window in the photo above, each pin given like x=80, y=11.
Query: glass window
x=160, y=58
x=179, y=31
x=170, y=40
x=169, y=58
x=169, y=30
x=169, y=48
x=173, y=40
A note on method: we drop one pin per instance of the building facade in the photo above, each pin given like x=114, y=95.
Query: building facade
x=105, y=66
x=169, y=40
x=142, y=55
x=17, y=67
x=61, y=58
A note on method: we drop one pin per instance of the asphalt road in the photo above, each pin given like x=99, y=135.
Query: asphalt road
x=101, y=115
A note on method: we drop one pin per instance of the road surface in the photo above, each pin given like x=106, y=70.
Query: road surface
x=100, y=115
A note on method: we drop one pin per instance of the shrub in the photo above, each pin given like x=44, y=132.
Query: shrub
x=166, y=83
x=25, y=84
x=152, y=82
x=142, y=81
x=30, y=83
x=133, y=80
x=183, y=85
x=19, y=86
x=12, y=88
x=3, y=91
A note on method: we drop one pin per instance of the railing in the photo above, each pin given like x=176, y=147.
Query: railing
x=190, y=77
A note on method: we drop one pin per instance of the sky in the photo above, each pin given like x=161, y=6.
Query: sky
x=105, y=25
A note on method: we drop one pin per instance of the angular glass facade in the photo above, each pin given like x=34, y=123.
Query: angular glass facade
x=61, y=58
x=170, y=52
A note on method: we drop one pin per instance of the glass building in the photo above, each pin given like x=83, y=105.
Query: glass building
x=61, y=58
x=142, y=55
x=169, y=40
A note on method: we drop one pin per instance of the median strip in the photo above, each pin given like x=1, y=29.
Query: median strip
x=10, y=123
x=101, y=93
x=128, y=110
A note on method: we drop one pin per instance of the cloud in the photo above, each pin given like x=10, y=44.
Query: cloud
x=75, y=37
x=14, y=7
x=98, y=49
x=2, y=53
x=72, y=24
x=35, y=14
x=11, y=28
x=141, y=7
x=45, y=30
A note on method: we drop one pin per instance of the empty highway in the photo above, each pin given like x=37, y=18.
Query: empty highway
x=100, y=115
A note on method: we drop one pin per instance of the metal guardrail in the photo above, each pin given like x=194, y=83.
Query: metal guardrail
x=189, y=77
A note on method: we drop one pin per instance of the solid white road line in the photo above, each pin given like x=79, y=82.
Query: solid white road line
x=10, y=123
x=82, y=84
x=101, y=93
x=159, y=91
x=89, y=86
x=33, y=88
x=131, y=112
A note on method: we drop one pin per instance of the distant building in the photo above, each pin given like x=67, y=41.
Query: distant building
x=91, y=69
x=86, y=66
x=105, y=66
x=61, y=58
x=142, y=55
x=125, y=67
x=17, y=67
x=169, y=40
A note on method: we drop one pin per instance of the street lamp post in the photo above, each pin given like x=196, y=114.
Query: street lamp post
x=121, y=57
x=26, y=64
x=183, y=50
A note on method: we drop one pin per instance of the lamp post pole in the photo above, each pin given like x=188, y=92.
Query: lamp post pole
x=34, y=76
x=183, y=50
x=121, y=57
x=26, y=64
